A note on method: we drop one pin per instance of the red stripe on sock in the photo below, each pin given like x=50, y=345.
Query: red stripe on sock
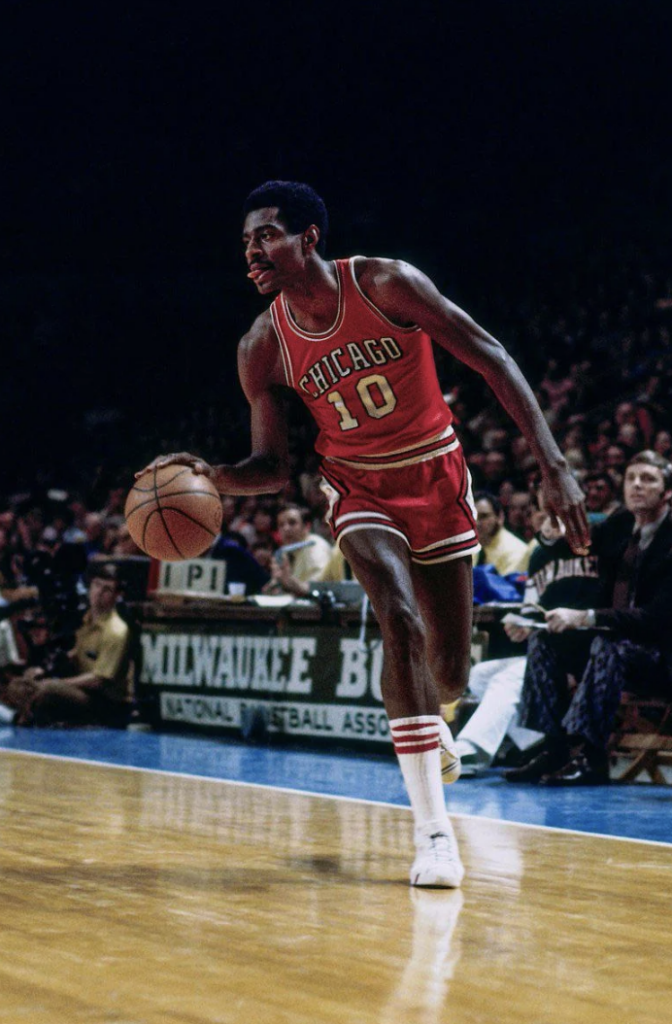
x=413, y=727
x=417, y=748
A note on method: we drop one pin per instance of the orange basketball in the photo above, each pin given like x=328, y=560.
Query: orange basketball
x=173, y=513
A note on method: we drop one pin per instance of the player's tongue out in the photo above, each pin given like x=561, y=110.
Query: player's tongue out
x=257, y=269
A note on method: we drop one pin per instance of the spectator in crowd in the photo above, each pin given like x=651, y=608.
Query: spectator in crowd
x=518, y=515
x=336, y=569
x=634, y=653
x=242, y=521
x=241, y=564
x=601, y=498
x=494, y=469
x=63, y=521
x=29, y=527
x=614, y=461
x=9, y=658
x=99, y=691
x=556, y=577
x=500, y=547
x=293, y=570
x=663, y=444
x=263, y=522
x=124, y=543
x=115, y=501
x=112, y=529
x=262, y=550
x=94, y=529
x=6, y=568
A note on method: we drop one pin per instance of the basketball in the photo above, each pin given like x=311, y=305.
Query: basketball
x=173, y=513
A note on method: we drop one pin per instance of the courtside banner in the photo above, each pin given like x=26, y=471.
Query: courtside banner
x=317, y=682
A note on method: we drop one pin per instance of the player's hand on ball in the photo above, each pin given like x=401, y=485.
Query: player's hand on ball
x=199, y=466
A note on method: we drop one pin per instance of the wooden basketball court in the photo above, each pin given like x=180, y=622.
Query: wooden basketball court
x=136, y=897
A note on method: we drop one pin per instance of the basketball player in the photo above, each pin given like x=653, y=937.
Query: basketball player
x=352, y=337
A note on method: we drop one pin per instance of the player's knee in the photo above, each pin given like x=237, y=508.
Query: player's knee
x=450, y=668
x=403, y=628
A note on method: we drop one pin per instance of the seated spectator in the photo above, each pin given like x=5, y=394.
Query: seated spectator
x=500, y=547
x=262, y=551
x=9, y=657
x=518, y=515
x=242, y=521
x=336, y=569
x=614, y=461
x=124, y=543
x=295, y=567
x=111, y=531
x=601, y=499
x=630, y=438
x=7, y=575
x=241, y=564
x=114, y=502
x=494, y=470
x=556, y=577
x=263, y=522
x=662, y=444
x=100, y=689
x=94, y=529
x=634, y=653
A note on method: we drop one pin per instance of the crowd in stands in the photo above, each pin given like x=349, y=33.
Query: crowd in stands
x=597, y=350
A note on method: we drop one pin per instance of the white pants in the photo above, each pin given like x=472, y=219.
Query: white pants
x=498, y=685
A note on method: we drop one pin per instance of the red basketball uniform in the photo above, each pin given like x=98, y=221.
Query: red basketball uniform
x=388, y=448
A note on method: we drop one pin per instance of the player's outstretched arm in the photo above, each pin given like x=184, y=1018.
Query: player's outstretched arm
x=406, y=295
x=266, y=470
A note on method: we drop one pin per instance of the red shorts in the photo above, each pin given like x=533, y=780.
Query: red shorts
x=427, y=503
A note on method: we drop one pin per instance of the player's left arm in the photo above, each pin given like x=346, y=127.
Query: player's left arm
x=407, y=296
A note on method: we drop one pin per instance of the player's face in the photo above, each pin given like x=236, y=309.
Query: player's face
x=274, y=255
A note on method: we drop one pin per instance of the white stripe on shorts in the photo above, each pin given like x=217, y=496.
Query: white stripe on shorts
x=467, y=535
x=361, y=515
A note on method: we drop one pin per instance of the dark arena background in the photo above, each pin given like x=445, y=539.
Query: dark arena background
x=218, y=861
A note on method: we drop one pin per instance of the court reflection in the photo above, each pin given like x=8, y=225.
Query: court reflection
x=422, y=991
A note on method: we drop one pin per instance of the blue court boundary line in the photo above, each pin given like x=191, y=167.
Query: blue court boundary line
x=328, y=796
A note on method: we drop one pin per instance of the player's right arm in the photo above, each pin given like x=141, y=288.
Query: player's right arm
x=266, y=470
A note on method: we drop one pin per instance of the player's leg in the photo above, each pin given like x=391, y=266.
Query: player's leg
x=381, y=562
x=444, y=594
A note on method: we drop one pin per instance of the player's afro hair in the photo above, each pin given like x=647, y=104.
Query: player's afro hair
x=299, y=206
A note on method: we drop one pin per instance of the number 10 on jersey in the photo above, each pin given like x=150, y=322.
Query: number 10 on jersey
x=376, y=396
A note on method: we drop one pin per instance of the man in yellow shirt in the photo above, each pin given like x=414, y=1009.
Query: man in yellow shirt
x=500, y=547
x=100, y=690
x=302, y=557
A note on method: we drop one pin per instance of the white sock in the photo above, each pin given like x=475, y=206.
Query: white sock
x=416, y=744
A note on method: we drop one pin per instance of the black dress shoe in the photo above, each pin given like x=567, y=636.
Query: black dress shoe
x=548, y=760
x=579, y=771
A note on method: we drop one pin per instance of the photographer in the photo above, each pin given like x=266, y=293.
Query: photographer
x=98, y=688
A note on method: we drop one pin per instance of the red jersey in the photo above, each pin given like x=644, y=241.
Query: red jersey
x=371, y=386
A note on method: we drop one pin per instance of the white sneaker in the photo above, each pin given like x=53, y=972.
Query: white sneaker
x=450, y=759
x=7, y=715
x=437, y=864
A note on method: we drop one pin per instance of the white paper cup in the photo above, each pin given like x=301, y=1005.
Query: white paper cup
x=237, y=589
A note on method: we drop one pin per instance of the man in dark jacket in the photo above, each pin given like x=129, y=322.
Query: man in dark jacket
x=632, y=647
